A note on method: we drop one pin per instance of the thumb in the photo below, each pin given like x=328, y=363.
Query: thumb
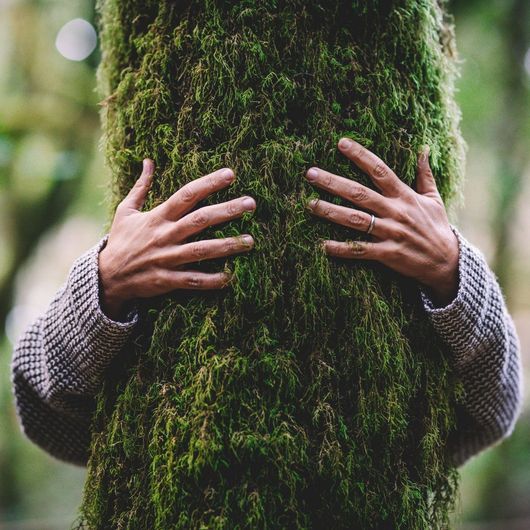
x=136, y=197
x=425, y=183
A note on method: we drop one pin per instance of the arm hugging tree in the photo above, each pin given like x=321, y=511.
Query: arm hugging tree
x=313, y=392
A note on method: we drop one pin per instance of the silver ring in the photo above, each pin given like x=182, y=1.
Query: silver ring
x=372, y=224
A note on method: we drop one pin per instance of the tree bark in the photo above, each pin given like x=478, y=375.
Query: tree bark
x=313, y=393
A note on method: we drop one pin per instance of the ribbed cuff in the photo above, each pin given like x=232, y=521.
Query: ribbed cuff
x=458, y=322
x=102, y=336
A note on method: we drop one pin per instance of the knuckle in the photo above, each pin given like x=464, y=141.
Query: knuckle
x=358, y=248
x=141, y=183
x=380, y=170
x=400, y=214
x=158, y=239
x=393, y=249
x=428, y=172
x=157, y=228
x=401, y=217
x=399, y=234
x=358, y=194
x=408, y=219
x=194, y=281
x=187, y=193
x=408, y=197
x=199, y=218
x=384, y=252
x=199, y=250
x=326, y=180
x=399, y=252
x=159, y=279
x=154, y=221
x=327, y=211
x=233, y=208
x=355, y=219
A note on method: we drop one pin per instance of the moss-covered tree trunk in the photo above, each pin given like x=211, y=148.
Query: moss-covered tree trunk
x=313, y=393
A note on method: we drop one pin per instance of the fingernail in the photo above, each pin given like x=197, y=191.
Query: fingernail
x=312, y=203
x=345, y=143
x=228, y=175
x=147, y=166
x=248, y=240
x=249, y=203
x=311, y=174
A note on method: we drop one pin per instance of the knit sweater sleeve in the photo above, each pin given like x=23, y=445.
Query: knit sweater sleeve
x=486, y=354
x=59, y=361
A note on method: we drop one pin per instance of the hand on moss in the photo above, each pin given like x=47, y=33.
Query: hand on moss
x=410, y=230
x=146, y=252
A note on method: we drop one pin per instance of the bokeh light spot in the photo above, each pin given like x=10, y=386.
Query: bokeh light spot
x=76, y=40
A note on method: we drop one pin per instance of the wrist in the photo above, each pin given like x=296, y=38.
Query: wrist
x=445, y=290
x=444, y=285
x=112, y=303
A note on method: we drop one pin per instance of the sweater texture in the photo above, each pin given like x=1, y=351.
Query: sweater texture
x=59, y=362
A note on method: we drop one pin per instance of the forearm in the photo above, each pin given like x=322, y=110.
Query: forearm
x=59, y=362
x=486, y=354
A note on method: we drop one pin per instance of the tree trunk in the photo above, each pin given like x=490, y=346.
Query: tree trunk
x=312, y=393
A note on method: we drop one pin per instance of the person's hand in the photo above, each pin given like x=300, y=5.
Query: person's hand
x=146, y=252
x=410, y=230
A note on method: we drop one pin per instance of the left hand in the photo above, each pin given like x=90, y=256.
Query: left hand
x=411, y=232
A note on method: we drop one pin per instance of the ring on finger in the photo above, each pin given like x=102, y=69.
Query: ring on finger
x=371, y=225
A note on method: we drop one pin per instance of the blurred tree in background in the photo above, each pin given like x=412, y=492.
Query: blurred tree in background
x=52, y=185
x=494, y=42
x=49, y=132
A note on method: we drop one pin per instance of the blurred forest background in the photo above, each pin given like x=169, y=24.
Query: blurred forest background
x=53, y=207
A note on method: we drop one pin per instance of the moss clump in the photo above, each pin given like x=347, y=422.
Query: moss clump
x=313, y=393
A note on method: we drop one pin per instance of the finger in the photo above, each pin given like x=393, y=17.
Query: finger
x=348, y=217
x=207, y=216
x=349, y=190
x=136, y=197
x=383, y=177
x=354, y=249
x=425, y=183
x=184, y=199
x=206, y=249
x=194, y=280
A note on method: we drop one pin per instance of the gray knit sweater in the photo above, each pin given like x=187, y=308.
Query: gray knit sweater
x=59, y=361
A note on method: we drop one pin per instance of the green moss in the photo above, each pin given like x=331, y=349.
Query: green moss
x=313, y=393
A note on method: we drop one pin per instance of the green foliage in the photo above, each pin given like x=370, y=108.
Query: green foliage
x=313, y=393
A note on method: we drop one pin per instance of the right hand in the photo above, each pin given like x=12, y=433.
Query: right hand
x=146, y=251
